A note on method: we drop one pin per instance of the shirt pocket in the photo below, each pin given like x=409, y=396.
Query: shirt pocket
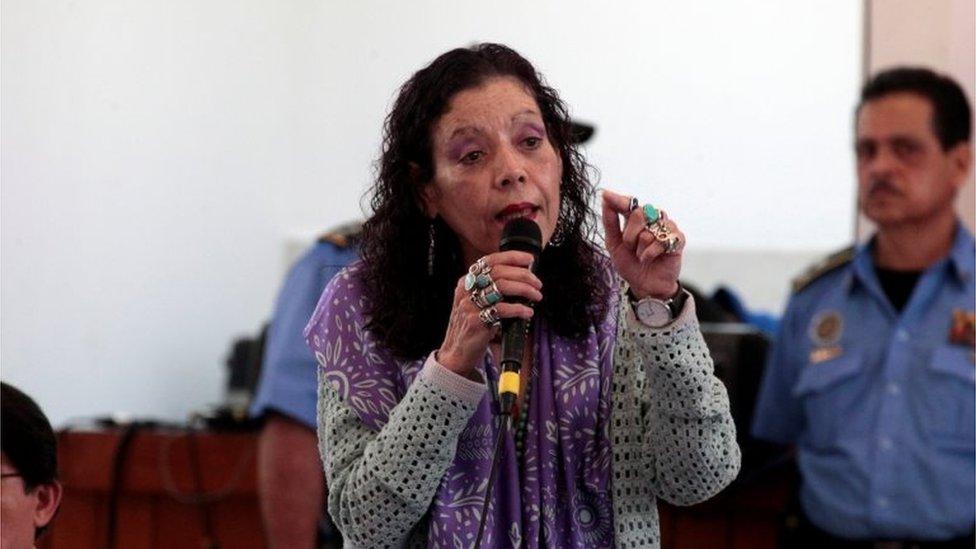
x=826, y=388
x=951, y=397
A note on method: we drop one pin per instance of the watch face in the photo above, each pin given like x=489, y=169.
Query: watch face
x=653, y=312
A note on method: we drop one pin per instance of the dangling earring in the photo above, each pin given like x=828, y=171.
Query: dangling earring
x=430, y=250
x=559, y=234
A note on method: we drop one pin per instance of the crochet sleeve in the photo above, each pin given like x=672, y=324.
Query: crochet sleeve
x=382, y=483
x=688, y=444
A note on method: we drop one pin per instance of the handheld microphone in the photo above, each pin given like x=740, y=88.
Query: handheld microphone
x=522, y=235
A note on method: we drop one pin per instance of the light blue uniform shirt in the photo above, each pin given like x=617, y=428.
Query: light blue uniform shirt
x=883, y=414
x=289, y=375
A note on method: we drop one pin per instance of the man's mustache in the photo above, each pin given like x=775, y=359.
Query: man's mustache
x=883, y=185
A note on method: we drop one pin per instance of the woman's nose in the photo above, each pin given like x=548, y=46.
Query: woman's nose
x=510, y=167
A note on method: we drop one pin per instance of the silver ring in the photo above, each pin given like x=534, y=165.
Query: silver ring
x=659, y=231
x=479, y=267
x=491, y=295
x=489, y=317
x=673, y=244
x=478, y=298
x=475, y=281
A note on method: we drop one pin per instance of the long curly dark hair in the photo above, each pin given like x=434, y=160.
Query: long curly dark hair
x=409, y=307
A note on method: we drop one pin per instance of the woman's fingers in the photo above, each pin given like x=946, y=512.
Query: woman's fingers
x=477, y=306
x=611, y=222
x=515, y=274
x=644, y=241
x=614, y=206
x=512, y=257
x=514, y=310
x=652, y=251
x=616, y=201
x=633, y=228
x=512, y=288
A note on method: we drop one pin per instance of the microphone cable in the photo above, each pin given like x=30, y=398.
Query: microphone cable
x=520, y=234
x=505, y=420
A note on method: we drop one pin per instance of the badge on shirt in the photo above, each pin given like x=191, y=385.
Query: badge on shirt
x=825, y=331
x=963, y=330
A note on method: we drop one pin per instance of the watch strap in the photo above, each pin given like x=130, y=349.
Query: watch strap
x=675, y=303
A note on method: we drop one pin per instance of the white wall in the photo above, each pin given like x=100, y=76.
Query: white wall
x=159, y=158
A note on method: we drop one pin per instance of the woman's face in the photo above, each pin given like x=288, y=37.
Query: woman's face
x=493, y=161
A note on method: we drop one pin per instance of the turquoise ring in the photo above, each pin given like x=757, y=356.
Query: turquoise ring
x=486, y=297
x=475, y=281
x=491, y=295
x=651, y=214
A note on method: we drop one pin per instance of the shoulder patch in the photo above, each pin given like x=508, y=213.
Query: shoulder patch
x=826, y=265
x=343, y=236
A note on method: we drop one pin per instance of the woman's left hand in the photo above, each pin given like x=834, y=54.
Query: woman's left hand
x=640, y=258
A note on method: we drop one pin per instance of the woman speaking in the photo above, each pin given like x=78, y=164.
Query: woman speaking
x=616, y=404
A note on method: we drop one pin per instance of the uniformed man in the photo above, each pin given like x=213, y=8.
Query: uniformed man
x=291, y=483
x=871, y=376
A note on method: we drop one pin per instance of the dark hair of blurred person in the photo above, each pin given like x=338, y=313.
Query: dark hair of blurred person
x=951, y=115
x=399, y=231
x=31, y=492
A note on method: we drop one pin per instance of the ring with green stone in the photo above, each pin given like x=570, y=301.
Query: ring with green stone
x=651, y=214
x=474, y=281
x=491, y=295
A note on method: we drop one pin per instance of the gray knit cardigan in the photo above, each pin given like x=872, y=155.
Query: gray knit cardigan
x=672, y=435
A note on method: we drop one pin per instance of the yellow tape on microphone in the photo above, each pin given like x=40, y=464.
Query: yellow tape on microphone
x=508, y=383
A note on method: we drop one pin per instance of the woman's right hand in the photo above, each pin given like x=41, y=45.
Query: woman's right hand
x=467, y=336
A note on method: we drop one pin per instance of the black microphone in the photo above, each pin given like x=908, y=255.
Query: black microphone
x=522, y=235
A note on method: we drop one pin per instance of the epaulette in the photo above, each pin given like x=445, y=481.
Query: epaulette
x=343, y=236
x=824, y=266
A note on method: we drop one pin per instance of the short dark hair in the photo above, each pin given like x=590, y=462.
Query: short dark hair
x=396, y=238
x=28, y=440
x=951, y=114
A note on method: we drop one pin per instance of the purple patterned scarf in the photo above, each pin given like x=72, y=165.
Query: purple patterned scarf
x=559, y=495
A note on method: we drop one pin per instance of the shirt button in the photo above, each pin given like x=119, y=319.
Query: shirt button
x=882, y=502
x=902, y=335
x=885, y=443
x=893, y=388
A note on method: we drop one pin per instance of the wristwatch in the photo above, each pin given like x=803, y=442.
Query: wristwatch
x=657, y=313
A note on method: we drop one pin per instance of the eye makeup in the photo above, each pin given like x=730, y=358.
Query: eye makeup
x=534, y=129
x=456, y=149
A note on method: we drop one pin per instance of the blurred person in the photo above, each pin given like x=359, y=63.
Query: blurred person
x=617, y=401
x=291, y=484
x=31, y=493
x=872, y=373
